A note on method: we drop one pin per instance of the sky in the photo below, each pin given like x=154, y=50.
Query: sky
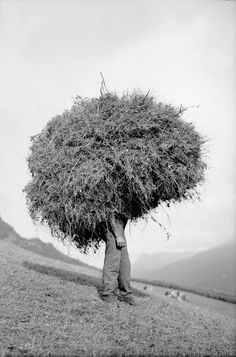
x=182, y=51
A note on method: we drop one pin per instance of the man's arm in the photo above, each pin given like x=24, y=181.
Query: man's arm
x=118, y=228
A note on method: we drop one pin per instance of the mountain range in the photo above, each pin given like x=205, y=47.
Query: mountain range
x=150, y=262
x=35, y=245
x=210, y=269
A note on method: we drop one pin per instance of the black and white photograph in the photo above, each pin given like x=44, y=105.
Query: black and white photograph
x=117, y=178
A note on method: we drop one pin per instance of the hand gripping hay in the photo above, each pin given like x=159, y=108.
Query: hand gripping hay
x=111, y=157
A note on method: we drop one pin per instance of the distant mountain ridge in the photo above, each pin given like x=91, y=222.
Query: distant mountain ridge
x=149, y=262
x=211, y=269
x=35, y=245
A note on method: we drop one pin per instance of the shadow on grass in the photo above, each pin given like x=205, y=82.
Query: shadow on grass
x=13, y=351
x=66, y=275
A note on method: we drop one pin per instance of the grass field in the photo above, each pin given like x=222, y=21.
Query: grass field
x=50, y=308
x=217, y=295
x=210, y=304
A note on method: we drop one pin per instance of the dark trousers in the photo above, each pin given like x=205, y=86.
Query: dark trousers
x=116, y=269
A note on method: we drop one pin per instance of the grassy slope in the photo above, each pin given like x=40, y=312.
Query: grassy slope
x=53, y=308
x=214, y=294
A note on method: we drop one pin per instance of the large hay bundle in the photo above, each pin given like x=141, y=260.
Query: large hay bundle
x=111, y=157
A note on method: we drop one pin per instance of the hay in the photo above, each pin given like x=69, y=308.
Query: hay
x=111, y=157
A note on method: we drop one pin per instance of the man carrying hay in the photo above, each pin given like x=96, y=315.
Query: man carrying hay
x=116, y=270
x=108, y=160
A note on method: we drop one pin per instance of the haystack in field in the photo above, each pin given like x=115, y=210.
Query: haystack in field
x=111, y=157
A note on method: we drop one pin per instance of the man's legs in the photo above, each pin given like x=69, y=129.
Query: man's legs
x=124, y=278
x=124, y=273
x=116, y=269
x=111, y=266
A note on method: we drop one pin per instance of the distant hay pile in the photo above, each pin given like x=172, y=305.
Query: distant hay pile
x=111, y=157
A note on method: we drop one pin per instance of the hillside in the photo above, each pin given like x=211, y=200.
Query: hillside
x=211, y=269
x=147, y=262
x=35, y=245
x=49, y=308
x=7, y=231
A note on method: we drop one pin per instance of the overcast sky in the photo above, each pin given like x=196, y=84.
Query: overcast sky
x=183, y=51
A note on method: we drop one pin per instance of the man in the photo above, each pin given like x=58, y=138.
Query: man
x=117, y=267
